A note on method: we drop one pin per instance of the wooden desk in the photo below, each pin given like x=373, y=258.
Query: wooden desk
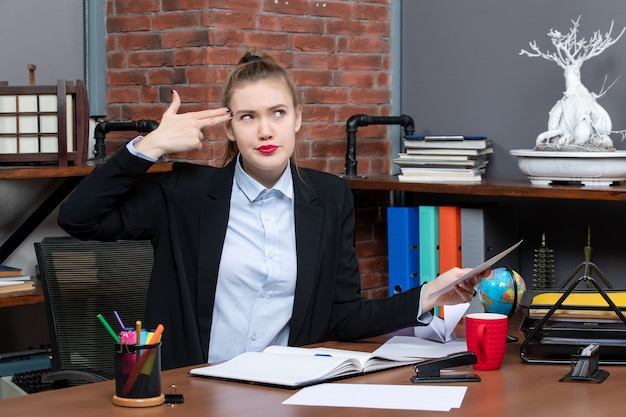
x=516, y=389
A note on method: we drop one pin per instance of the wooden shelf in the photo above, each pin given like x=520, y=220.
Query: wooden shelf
x=18, y=298
x=494, y=188
x=28, y=172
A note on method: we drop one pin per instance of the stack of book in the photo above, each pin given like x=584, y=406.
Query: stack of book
x=11, y=280
x=443, y=158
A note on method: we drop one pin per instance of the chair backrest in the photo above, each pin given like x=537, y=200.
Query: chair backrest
x=82, y=279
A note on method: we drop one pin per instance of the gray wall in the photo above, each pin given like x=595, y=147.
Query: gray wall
x=462, y=72
x=46, y=33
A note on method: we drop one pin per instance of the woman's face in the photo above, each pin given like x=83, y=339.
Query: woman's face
x=264, y=125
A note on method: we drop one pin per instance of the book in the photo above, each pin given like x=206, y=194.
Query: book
x=412, y=141
x=473, y=163
x=10, y=271
x=13, y=286
x=296, y=367
x=438, y=138
x=434, y=174
x=454, y=172
x=440, y=179
x=403, y=248
x=403, y=156
x=16, y=278
x=444, y=151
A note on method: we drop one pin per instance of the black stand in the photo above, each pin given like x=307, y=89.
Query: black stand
x=539, y=327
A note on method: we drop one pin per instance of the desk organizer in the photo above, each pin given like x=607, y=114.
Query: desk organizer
x=558, y=322
x=44, y=124
x=585, y=368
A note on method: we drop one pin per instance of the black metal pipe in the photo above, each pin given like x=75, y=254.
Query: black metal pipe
x=104, y=127
x=364, y=120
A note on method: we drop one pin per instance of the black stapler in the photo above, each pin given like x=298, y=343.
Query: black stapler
x=430, y=370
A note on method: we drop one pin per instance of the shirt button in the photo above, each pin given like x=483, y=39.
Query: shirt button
x=270, y=255
x=253, y=337
x=263, y=294
x=268, y=217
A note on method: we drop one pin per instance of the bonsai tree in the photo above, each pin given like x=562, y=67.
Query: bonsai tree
x=576, y=122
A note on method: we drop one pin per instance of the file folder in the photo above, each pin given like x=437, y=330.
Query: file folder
x=403, y=248
x=449, y=237
x=429, y=243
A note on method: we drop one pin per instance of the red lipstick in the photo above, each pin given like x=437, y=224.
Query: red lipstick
x=267, y=149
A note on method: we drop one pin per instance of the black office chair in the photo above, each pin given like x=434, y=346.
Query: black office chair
x=82, y=279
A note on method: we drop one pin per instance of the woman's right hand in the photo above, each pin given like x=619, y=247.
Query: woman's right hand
x=180, y=132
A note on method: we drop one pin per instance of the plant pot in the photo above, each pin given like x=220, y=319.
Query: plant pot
x=599, y=169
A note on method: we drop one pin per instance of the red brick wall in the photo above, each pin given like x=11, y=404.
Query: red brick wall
x=338, y=53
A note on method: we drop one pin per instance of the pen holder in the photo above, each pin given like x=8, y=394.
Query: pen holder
x=138, y=375
x=585, y=368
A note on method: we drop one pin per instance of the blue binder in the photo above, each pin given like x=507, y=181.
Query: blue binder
x=403, y=248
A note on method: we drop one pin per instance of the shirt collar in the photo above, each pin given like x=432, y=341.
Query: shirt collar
x=252, y=189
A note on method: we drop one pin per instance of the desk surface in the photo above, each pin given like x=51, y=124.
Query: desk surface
x=517, y=389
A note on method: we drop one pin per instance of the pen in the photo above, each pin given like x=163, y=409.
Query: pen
x=109, y=329
x=119, y=320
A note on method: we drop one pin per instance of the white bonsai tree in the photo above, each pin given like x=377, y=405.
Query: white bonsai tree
x=576, y=122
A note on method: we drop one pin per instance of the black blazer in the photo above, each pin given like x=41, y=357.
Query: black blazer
x=185, y=214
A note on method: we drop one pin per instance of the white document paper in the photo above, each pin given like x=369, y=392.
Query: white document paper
x=416, y=347
x=397, y=397
x=480, y=268
x=442, y=330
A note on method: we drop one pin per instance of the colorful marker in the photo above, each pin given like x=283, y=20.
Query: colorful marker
x=108, y=327
x=119, y=320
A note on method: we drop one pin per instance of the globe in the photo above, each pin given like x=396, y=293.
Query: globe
x=497, y=291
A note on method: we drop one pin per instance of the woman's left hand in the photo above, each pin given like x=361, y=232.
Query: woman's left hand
x=460, y=293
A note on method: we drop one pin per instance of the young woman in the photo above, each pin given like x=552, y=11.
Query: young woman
x=254, y=253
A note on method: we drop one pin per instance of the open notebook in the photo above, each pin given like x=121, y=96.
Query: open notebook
x=295, y=367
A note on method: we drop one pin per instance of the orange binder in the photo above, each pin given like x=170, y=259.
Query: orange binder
x=449, y=237
x=449, y=240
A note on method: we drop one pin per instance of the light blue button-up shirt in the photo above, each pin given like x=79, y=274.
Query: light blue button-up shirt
x=257, y=275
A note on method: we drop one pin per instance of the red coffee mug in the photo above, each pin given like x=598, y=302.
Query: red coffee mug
x=486, y=337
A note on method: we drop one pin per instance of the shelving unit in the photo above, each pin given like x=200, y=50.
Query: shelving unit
x=71, y=176
x=487, y=189
x=563, y=212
